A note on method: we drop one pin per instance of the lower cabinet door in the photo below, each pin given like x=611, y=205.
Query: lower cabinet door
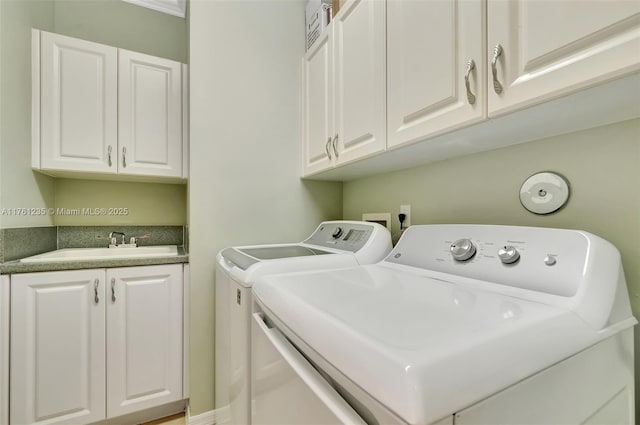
x=4, y=349
x=57, y=347
x=144, y=337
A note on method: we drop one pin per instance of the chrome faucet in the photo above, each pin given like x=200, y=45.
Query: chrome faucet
x=112, y=238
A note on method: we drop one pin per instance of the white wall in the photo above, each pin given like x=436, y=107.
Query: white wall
x=245, y=59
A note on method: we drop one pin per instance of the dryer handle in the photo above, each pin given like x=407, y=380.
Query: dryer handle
x=313, y=380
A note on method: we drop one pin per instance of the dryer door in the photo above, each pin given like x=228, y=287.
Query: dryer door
x=286, y=389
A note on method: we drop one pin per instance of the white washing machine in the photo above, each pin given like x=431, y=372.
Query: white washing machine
x=460, y=324
x=334, y=244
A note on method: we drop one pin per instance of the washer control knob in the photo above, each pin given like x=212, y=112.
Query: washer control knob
x=337, y=233
x=550, y=260
x=508, y=254
x=462, y=250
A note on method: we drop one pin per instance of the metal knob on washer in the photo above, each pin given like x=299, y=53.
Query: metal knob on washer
x=508, y=254
x=462, y=250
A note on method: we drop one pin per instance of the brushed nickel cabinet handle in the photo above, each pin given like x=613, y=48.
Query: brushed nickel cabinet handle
x=124, y=157
x=335, y=146
x=497, y=52
x=470, y=67
x=326, y=148
x=96, y=299
x=113, y=289
x=109, y=150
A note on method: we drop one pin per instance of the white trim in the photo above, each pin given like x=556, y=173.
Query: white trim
x=185, y=330
x=172, y=7
x=35, y=99
x=185, y=121
x=217, y=417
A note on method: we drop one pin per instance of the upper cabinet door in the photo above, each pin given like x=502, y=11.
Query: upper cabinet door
x=360, y=79
x=552, y=48
x=318, y=105
x=435, y=54
x=150, y=115
x=79, y=104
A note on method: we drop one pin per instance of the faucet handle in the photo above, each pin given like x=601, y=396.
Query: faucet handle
x=134, y=239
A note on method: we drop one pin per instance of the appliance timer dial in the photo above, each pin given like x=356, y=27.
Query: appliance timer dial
x=462, y=250
x=337, y=233
x=508, y=254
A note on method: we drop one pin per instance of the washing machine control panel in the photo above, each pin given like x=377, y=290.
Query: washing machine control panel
x=344, y=235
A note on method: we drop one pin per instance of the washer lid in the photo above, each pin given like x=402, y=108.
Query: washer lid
x=244, y=257
x=425, y=348
x=283, y=251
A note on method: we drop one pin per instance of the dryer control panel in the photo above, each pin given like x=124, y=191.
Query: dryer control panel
x=550, y=261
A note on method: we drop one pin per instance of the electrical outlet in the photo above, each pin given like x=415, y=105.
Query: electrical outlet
x=406, y=210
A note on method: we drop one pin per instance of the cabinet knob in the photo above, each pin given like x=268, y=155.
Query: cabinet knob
x=109, y=155
x=335, y=146
x=113, y=289
x=124, y=157
x=470, y=67
x=497, y=52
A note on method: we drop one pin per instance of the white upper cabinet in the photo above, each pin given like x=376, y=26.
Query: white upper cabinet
x=359, y=80
x=318, y=105
x=345, y=88
x=149, y=115
x=100, y=111
x=435, y=67
x=463, y=76
x=551, y=48
x=79, y=108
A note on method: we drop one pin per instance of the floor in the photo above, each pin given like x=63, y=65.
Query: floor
x=177, y=419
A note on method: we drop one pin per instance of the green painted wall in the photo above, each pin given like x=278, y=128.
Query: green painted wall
x=146, y=203
x=20, y=187
x=601, y=164
x=124, y=25
x=245, y=151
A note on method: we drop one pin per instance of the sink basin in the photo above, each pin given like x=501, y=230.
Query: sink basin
x=80, y=254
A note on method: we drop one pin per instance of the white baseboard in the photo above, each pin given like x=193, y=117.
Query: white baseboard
x=212, y=417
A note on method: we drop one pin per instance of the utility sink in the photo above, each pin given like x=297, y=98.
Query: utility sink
x=80, y=254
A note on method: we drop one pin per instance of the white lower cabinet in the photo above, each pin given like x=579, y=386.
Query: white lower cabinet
x=87, y=345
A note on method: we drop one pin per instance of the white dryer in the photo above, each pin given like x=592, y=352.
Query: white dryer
x=461, y=324
x=334, y=244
